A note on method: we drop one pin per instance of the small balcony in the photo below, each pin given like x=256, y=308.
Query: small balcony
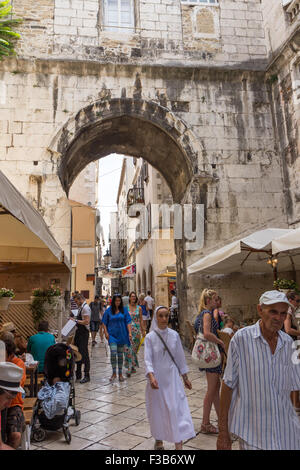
x=293, y=8
x=135, y=196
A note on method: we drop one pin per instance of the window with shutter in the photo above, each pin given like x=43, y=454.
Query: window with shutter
x=119, y=15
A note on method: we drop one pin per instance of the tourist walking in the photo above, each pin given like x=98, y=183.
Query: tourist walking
x=207, y=325
x=145, y=311
x=81, y=339
x=174, y=311
x=125, y=299
x=150, y=303
x=95, y=321
x=219, y=314
x=117, y=330
x=166, y=403
x=261, y=372
x=138, y=330
x=291, y=328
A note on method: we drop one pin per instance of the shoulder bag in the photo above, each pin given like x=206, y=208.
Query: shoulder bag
x=167, y=349
x=205, y=354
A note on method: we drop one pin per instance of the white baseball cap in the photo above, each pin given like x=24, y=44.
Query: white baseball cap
x=273, y=297
x=10, y=377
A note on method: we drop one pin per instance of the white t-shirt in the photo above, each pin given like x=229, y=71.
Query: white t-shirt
x=174, y=302
x=87, y=312
x=150, y=302
x=228, y=330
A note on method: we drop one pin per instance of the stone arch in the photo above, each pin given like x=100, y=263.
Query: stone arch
x=133, y=127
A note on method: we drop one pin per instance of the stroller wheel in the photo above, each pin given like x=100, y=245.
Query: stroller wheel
x=77, y=417
x=38, y=435
x=67, y=435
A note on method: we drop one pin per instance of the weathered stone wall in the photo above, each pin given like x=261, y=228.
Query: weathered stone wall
x=24, y=282
x=165, y=31
x=187, y=91
x=223, y=124
x=278, y=25
x=239, y=292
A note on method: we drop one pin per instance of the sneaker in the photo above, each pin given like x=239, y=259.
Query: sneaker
x=85, y=380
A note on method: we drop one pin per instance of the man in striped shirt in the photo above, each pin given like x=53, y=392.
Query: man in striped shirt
x=262, y=369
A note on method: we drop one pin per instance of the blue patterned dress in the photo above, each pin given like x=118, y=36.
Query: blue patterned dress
x=214, y=327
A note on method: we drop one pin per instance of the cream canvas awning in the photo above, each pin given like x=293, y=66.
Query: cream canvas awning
x=24, y=235
x=288, y=241
x=251, y=254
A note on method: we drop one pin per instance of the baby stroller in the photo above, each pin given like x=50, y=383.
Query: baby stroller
x=56, y=395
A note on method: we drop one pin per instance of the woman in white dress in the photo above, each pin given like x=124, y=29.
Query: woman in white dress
x=166, y=403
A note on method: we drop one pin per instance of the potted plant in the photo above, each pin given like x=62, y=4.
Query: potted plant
x=285, y=285
x=44, y=301
x=5, y=297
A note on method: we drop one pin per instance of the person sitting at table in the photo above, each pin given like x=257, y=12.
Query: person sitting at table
x=19, y=341
x=39, y=343
x=15, y=422
x=10, y=378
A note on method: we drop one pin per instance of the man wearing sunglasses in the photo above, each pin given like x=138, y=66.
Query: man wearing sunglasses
x=10, y=378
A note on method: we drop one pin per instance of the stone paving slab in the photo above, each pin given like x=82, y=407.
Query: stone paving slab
x=113, y=415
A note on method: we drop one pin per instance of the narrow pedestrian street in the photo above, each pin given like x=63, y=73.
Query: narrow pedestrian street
x=113, y=416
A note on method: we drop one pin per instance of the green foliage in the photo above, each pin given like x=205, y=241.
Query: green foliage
x=52, y=291
x=7, y=35
x=44, y=301
x=286, y=284
x=6, y=292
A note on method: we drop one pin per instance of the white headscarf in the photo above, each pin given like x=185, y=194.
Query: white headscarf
x=154, y=324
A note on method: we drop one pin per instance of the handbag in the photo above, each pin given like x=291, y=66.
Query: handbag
x=205, y=353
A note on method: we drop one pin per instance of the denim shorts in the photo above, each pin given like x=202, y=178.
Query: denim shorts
x=95, y=325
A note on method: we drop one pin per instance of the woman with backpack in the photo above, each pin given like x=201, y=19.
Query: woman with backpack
x=117, y=330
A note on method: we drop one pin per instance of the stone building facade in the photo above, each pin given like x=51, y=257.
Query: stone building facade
x=206, y=92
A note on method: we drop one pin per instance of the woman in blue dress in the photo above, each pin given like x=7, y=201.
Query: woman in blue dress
x=117, y=330
x=206, y=324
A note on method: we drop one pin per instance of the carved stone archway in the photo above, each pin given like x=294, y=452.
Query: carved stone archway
x=132, y=127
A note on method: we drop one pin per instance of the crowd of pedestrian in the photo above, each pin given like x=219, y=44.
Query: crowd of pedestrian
x=255, y=397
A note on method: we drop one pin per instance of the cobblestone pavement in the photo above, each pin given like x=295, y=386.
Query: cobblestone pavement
x=113, y=416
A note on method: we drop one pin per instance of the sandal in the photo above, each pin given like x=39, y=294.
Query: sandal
x=209, y=429
x=121, y=378
x=159, y=445
x=113, y=377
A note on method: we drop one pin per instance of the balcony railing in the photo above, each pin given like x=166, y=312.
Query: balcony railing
x=293, y=8
x=135, y=196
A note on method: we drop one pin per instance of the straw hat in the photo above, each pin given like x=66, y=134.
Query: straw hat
x=76, y=353
x=10, y=377
x=8, y=327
